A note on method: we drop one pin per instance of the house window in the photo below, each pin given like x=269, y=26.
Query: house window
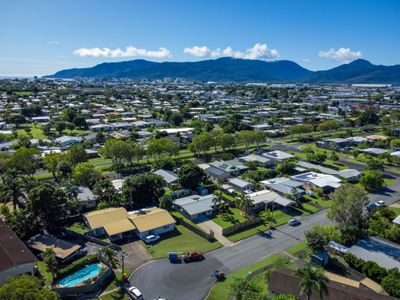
x=166, y=227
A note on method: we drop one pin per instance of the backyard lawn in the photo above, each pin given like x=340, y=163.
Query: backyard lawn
x=36, y=132
x=228, y=220
x=180, y=240
x=318, y=200
x=78, y=227
x=389, y=181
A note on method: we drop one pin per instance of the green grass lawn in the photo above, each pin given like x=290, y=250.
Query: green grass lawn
x=396, y=210
x=47, y=276
x=99, y=160
x=318, y=200
x=180, y=216
x=395, y=170
x=228, y=220
x=300, y=250
x=43, y=176
x=180, y=240
x=36, y=132
x=78, y=227
x=389, y=181
x=221, y=290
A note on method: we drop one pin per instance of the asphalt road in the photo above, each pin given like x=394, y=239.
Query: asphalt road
x=193, y=281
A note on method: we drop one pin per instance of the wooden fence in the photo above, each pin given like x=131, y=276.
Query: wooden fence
x=241, y=226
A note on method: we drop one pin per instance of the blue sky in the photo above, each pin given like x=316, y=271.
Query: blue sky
x=41, y=37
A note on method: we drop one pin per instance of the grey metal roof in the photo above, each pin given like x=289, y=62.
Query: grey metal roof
x=238, y=182
x=195, y=204
x=384, y=253
x=169, y=176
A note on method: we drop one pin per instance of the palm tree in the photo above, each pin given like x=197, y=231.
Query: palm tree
x=218, y=200
x=245, y=203
x=312, y=278
x=109, y=256
x=268, y=217
x=49, y=258
x=11, y=187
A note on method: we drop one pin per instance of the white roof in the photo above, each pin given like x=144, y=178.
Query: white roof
x=397, y=220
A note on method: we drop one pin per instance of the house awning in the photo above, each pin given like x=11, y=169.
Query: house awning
x=284, y=202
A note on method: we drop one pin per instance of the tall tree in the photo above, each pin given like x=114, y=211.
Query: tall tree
x=26, y=287
x=190, y=176
x=11, y=187
x=347, y=210
x=49, y=258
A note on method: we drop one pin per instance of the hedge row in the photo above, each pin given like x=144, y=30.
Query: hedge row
x=388, y=279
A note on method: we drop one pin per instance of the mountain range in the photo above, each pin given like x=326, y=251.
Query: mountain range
x=228, y=69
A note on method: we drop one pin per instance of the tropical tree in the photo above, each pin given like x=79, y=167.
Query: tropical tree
x=49, y=258
x=11, y=187
x=190, y=176
x=26, y=287
x=85, y=174
x=245, y=203
x=51, y=162
x=268, y=217
x=110, y=257
x=347, y=210
x=312, y=278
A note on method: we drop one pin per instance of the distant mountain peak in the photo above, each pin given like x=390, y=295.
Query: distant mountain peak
x=229, y=69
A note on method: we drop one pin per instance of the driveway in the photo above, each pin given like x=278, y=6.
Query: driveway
x=208, y=225
x=136, y=255
x=193, y=281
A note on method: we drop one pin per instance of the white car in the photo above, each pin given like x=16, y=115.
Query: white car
x=151, y=239
x=294, y=222
x=380, y=203
x=134, y=293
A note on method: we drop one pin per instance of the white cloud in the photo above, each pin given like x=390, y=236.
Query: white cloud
x=258, y=51
x=202, y=51
x=341, y=55
x=128, y=52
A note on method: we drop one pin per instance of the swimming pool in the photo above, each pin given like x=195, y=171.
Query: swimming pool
x=81, y=275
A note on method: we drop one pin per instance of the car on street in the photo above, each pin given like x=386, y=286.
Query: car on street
x=134, y=293
x=380, y=203
x=294, y=222
x=371, y=207
x=151, y=239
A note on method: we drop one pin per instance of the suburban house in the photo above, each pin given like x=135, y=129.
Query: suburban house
x=234, y=167
x=326, y=182
x=86, y=198
x=117, y=223
x=284, y=281
x=112, y=222
x=195, y=206
x=374, y=151
x=278, y=155
x=215, y=173
x=65, y=251
x=264, y=198
x=334, y=143
x=68, y=141
x=351, y=175
x=15, y=257
x=285, y=186
x=154, y=221
x=169, y=176
x=240, y=185
x=258, y=159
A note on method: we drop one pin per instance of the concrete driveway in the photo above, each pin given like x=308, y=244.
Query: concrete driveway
x=193, y=281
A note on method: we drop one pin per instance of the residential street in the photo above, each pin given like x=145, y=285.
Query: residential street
x=193, y=280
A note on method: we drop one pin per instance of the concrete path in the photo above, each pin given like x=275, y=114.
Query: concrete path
x=208, y=225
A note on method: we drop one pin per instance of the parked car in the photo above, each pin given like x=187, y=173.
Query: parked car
x=371, y=207
x=151, y=239
x=134, y=293
x=380, y=203
x=294, y=222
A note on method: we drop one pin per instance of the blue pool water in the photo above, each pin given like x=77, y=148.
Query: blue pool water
x=80, y=275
